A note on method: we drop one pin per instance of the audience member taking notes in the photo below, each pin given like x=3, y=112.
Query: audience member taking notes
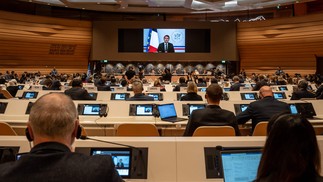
x=52, y=127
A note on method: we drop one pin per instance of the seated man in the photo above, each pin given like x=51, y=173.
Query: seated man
x=212, y=115
x=77, y=92
x=263, y=109
x=302, y=91
x=236, y=84
x=182, y=83
x=191, y=93
x=53, y=126
x=137, y=88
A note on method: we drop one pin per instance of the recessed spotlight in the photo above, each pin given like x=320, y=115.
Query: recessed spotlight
x=83, y=8
x=98, y=3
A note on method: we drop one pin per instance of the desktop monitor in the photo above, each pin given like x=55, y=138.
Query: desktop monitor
x=144, y=110
x=226, y=89
x=157, y=96
x=180, y=95
x=92, y=109
x=119, y=96
x=282, y=88
x=249, y=96
x=30, y=95
x=304, y=109
x=120, y=156
x=193, y=107
x=239, y=108
x=279, y=95
x=202, y=89
x=240, y=165
x=20, y=87
x=94, y=95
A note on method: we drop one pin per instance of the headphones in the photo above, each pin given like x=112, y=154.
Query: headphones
x=78, y=133
x=103, y=113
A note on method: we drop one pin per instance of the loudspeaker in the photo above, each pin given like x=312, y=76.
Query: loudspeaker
x=78, y=133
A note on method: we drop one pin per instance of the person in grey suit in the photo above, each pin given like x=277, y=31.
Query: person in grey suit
x=77, y=92
x=137, y=88
x=52, y=127
x=302, y=91
x=212, y=115
x=263, y=109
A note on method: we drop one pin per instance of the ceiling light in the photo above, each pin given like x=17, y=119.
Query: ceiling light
x=231, y=3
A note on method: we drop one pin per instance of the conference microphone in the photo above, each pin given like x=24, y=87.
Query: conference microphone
x=140, y=163
x=83, y=137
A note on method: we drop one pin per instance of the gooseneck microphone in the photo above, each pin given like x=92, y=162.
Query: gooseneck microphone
x=114, y=143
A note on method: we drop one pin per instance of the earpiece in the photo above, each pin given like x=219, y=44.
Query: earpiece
x=103, y=113
x=28, y=136
x=155, y=111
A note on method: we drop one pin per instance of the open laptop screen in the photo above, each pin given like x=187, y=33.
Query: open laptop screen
x=193, y=107
x=119, y=96
x=240, y=165
x=167, y=111
x=283, y=88
x=120, y=156
x=91, y=109
x=144, y=110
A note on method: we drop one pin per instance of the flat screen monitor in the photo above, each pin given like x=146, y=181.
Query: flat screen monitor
x=180, y=95
x=283, y=88
x=3, y=107
x=91, y=109
x=120, y=156
x=240, y=165
x=293, y=109
x=279, y=95
x=239, y=108
x=202, y=89
x=304, y=109
x=249, y=96
x=157, y=96
x=226, y=89
x=30, y=95
x=119, y=96
x=193, y=107
x=144, y=110
x=94, y=95
x=20, y=87
x=8, y=153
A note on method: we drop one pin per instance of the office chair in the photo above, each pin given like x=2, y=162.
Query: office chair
x=260, y=129
x=6, y=94
x=214, y=131
x=6, y=129
x=137, y=130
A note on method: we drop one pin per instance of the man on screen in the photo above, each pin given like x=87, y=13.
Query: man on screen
x=166, y=46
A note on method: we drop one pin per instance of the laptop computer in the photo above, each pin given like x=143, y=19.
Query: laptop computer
x=167, y=112
x=240, y=165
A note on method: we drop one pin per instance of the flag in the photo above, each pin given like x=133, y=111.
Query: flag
x=153, y=42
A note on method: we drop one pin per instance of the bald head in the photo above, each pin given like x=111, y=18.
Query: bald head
x=53, y=116
x=265, y=91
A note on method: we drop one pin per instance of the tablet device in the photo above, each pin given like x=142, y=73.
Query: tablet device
x=144, y=110
x=30, y=95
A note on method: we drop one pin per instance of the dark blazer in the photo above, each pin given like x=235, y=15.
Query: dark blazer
x=302, y=94
x=235, y=87
x=318, y=92
x=191, y=97
x=161, y=47
x=141, y=97
x=262, y=110
x=212, y=115
x=78, y=93
x=259, y=85
x=55, y=162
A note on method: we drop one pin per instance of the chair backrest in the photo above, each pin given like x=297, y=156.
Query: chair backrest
x=137, y=130
x=6, y=129
x=214, y=131
x=260, y=129
x=6, y=94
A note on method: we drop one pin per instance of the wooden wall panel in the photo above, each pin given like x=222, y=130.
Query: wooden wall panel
x=34, y=43
x=290, y=43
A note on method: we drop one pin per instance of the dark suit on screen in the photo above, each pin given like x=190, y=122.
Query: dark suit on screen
x=78, y=93
x=54, y=162
x=262, y=110
x=212, y=115
x=161, y=47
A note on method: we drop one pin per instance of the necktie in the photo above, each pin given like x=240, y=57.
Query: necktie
x=166, y=47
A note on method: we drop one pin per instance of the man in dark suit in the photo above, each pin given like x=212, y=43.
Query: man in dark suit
x=236, y=84
x=212, y=115
x=77, y=92
x=302, y=91
x=182, y=83
x=263, y=109
x=166, y=46
x=53, y=126
x=137, y=88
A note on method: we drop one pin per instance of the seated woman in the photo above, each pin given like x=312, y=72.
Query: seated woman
x=191, y=93
x=291, y=152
